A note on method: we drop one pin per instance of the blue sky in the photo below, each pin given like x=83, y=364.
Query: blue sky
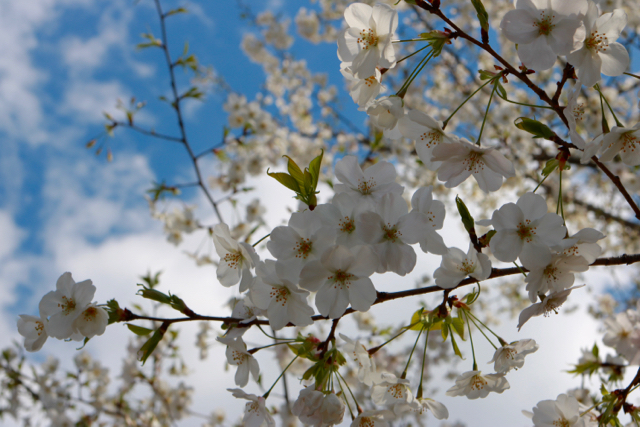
x=62, y=208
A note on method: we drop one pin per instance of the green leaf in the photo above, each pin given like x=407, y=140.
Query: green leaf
x=454, y=344
x=465, y=216
x=595, y=350
x=483, y=16
x=314, y=168
x=458, y=326
x=286, y=180
x=139, y=330
x=154, y=295
x=114, y=310
x=295, y=171
x=151, y=344
x=176, y=11
x=500, y=89
x=486, y=75
x=445, y=330
x=534, y=127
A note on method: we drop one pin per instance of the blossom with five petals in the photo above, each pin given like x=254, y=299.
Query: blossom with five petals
x=511, y=356
x=474, y=385
x=550, y=303
x=237, y=355
x=427, y=134
x=236, y=258
x=255, y=411
x=456, y=265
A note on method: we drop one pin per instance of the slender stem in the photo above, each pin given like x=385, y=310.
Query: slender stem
x=410, y=55
x=345, y=397
x=519, y=268
x=407, y=40
x=266, y=395
x=424, y=358
x=473, y=351
x=463, y=102
x=350, y=392
x=540, y=183
x=415, y=73
x=486, y=113
x=373, y=350
x=406, y=368
x=256, y=243
x=482, y=332
x=487, y=328
x=597, y=86
x=523, y=103
x=256, y=349
x=633, y=75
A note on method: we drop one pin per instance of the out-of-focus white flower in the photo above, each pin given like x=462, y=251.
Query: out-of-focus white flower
x=600, y=53
x=460, y=160
x=366, y=43
x=386, y=111
x=429, y=213
x=510, y=356
x=375, y=418
x=363, y=91
x=622, y=141
x=308, y=402
x=564, y=411
x=474, y=385
x=422, y=406
x=574, y=113
x=544, y=29
x=391, y=390
x=623, y=334
x=366, y=365
x=456, y=265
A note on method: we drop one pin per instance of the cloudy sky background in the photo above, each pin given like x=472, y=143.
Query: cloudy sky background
x=64, y=62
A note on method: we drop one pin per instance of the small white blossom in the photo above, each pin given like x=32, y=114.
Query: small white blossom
x=456, y=265
x=33, y=330
x=255, y=412
x=511, y=356
x=236, y=258
x=237, y=355
x=550, y=303
x=475, y=385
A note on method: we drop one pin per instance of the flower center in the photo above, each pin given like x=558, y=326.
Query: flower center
x=629, y=141
x=90, y=314
x=509, y=353
x=303, y=247
x=281, y=295
x=370, y=81
x=39, y=327
x=562, y=422
x=365, y=187
x=525, y=231
x=396, y=391
x=467, y=267
x=478, y=383
x=341, y=278
x=597, y=42
x=578, y=112
x=347, y=225
x=391, y=233
x=551, y=273
x=473, y=162
x=545, y=24
x=368, y=39
x=238, y=357
x=68, y=305
x=431, y=138
x=366, y=422
x=232, y=259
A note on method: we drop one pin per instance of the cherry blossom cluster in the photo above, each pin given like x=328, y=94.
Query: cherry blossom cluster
x=66, y=313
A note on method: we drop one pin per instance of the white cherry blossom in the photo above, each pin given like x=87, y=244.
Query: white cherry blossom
x=33, y=330
x=422, y=406
x=564, y=411
x=544, y=29
x=255, y=412
x=511, y=356
x=599, y=52
x=582, y=244
x=367, y=373
x=65, y=304
x=275, y=290
x=385, y=113
x=307, y=404
x=574, y=113
x=303, y=240
x=427, y=134
x=622, y=332
x=460, y=160
x=366, y=43
x=390, y=231
x=236, y=258
x=429, y=213
x=92, y=321
x=373, y=418
x=340, y=215
x=474, y=385
x=456, y=265
x=622, y=141
x=525, y=229
x=363, y=91
x=237, y=355
x=557, y=275
x=392, y=390
x=366, y=186
x=340, y=278
x=550, y=303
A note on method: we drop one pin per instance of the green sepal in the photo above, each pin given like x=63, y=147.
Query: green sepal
x=534, y=127
x=458, y=326
x=550, y=166
x=456, y=349
x=500, y=89
x=114, y=311
x=139, y=330
x=486, y=239
x=154, y=295
x=84, y=343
